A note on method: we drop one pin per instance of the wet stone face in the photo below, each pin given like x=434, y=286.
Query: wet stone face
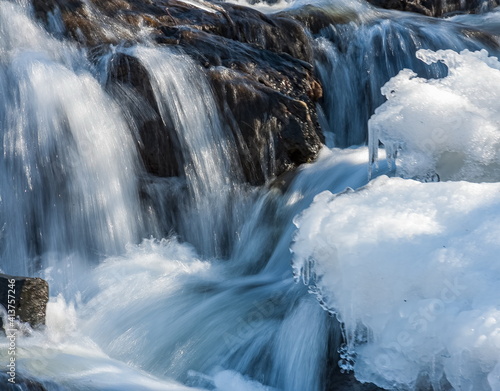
x=259, y=67
x=24, y=298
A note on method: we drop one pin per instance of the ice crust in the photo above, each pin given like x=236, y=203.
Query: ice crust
x=411, y=267
x=412, y=271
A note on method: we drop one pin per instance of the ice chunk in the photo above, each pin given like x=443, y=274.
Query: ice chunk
x=447, y=128
x=412, y=270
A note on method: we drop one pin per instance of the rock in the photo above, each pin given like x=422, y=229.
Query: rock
x=437, y=8
x=266, y=95
x=274, y=132
x=317, y=18
x=267, y=99
x=259, y=66
x=30, y=297
x=347, y=382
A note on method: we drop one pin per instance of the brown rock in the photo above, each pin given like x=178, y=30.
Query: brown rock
x=28, y=298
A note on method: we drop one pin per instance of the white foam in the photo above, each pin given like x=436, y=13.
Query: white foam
x=62, y=356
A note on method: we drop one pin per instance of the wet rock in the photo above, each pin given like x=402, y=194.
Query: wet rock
x=274, y=132
x=267, y=100
x=157, y=140
x=27, y=298
x=317, y=18
x=259, y=66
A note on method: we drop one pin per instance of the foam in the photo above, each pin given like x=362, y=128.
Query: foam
x=62, y=357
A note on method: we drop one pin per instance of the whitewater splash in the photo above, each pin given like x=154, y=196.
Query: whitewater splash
x=190, y=319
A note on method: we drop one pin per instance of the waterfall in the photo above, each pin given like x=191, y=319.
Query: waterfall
x=169, y=272
x=68, y=164
x=211, y=169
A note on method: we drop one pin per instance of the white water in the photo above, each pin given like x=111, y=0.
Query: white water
x=184, y=97
x=210, y=302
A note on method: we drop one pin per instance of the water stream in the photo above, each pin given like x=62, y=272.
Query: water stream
x=201, y=285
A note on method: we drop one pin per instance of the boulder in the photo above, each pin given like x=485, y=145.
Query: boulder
x=259, y=67
x=316, y=18
x=267, y=100
x=347, y=382
x=26, y=298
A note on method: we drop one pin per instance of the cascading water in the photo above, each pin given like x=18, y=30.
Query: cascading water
x=210, y=302
x=69, y=167
x=361, y=56
x=185, y=99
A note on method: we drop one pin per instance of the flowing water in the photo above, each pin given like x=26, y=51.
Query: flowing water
x=203, y=282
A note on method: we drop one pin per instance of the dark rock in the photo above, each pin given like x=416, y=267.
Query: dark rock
x=274, y=33
x=317, y=18
x=274, y=132
x=437, y=8
x=30, y=297
x=267, y=99
x=158, y=143
x=283, y=182
x=259, y=66
x=487, y=39
x=347, y=382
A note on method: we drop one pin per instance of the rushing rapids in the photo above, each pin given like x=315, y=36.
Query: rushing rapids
x=163, y=167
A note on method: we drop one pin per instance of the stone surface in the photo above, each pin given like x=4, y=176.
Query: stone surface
x=347, y=382
x=259, y=67
x=317, y=18
x=30, y=298
x=159, y=145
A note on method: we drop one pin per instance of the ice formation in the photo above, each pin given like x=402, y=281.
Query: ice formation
x=411, y=267
x=412, y=270
x=447, y=126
